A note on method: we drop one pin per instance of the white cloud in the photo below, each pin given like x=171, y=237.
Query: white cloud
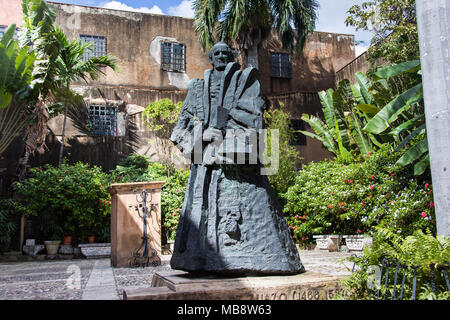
x=184, y=9
x=122, y=6
x=360, y=49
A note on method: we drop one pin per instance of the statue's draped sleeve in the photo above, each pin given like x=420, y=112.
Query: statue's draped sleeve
x=185, y=134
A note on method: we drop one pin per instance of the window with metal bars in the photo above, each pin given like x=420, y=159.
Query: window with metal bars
x=173, y=56
x=103, y=120
x=280, y=65
x=98, y=48
x=298, y=139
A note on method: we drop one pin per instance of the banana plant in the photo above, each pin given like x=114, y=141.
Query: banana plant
x=403, y=117
x=16, y=67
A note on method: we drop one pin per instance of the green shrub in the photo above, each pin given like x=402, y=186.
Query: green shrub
x=69, y=200
x=417, y=250
x=7, y=226
x=137, y=168
x=330, y=197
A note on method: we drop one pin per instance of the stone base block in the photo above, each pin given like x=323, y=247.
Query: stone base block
x=178, y=285
x=95, y=250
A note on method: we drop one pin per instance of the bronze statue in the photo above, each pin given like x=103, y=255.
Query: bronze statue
x=230, y=222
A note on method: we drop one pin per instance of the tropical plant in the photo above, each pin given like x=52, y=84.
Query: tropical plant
x=420, y=250
x=250, y=22
x=16, y=66
x=70, y=67
x=360, y=118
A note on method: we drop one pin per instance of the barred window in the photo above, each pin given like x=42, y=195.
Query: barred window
x=280, y=65
x=98, y=48
x=298, y=139
x=173, y=56
x=103, y=120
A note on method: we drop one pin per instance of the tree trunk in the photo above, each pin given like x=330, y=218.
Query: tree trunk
x=61, y=148
x=433, y=20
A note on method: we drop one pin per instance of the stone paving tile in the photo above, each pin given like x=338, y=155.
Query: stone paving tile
x=46, y=280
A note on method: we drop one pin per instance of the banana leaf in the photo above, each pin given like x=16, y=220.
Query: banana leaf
x=326, y=99
x=390, y=112
x=422, y=165
x=414, y=153
x=360, y=137
x=322, y=133
x=396, y=69
x=364, y=86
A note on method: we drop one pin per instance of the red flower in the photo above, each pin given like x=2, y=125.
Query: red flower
x=431, y=204
x=41, y=191
x=40, y=169
x=368, y=153
x=387, y=196
x=424, y=214
x=358, y=231
x=345, y=180
x=372, y=177
x=392, y=203
x=330, y=206
x=341, y=204
x=296, y=217
x=364, y=204
x=371, y=186
x=303, y=238
x=426, y=185
x=431, y=191
x=351, y=181
x=332, y=192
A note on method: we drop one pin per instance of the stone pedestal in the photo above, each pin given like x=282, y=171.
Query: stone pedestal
x=179, y=285
x=127, y=225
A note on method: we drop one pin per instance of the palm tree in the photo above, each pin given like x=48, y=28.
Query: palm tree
x=249, y=22
x=71, y=67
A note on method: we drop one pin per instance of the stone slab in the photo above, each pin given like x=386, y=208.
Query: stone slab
x=178, y=285
x=95, y=251
x=33, y=250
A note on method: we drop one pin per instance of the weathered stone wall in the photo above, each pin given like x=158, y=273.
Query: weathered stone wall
x=360, y=64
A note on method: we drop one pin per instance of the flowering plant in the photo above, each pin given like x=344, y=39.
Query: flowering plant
x=66, y=200
x=330, y=197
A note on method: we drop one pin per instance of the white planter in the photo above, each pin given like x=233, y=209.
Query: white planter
x=322, y=242
x=52, y=247
x=357, y=242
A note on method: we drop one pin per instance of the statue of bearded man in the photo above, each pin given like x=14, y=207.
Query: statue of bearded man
x=230, y=222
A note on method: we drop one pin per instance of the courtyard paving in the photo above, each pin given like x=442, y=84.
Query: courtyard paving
x=96, y=280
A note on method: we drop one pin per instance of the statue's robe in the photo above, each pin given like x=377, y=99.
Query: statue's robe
x=230, y=221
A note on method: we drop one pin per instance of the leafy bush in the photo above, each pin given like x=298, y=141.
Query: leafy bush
x=69, y=200
x=7, y=226
x=330, y=197
x=138, y=168
x=279, y=119
x=417, y=250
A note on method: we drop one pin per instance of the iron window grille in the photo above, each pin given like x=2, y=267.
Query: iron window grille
x=173, y=56
x=280, y=65
x=298, y=138
x=98, y=48
x=103, y=120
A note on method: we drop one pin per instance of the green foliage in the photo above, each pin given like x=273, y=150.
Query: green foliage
x=137, y=168
x=330, y=197
x=7, y=225
x=172, y=198
x=279, y=119
x=161, y=116
x=249, y=22
x=417, y=250
x=394, y=25
x=360, y=118
x=69, y=200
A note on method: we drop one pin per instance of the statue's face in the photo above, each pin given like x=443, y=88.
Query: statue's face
x=220, y=56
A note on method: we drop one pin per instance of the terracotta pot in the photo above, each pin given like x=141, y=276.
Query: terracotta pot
x=67, y=240
x=91, y=239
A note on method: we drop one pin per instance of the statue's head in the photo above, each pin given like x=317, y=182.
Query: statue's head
x=220, y=55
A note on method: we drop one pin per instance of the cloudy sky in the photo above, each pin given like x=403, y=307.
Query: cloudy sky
x=332, y=13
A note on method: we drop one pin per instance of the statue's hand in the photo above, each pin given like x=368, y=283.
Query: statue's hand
x=212, y=134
